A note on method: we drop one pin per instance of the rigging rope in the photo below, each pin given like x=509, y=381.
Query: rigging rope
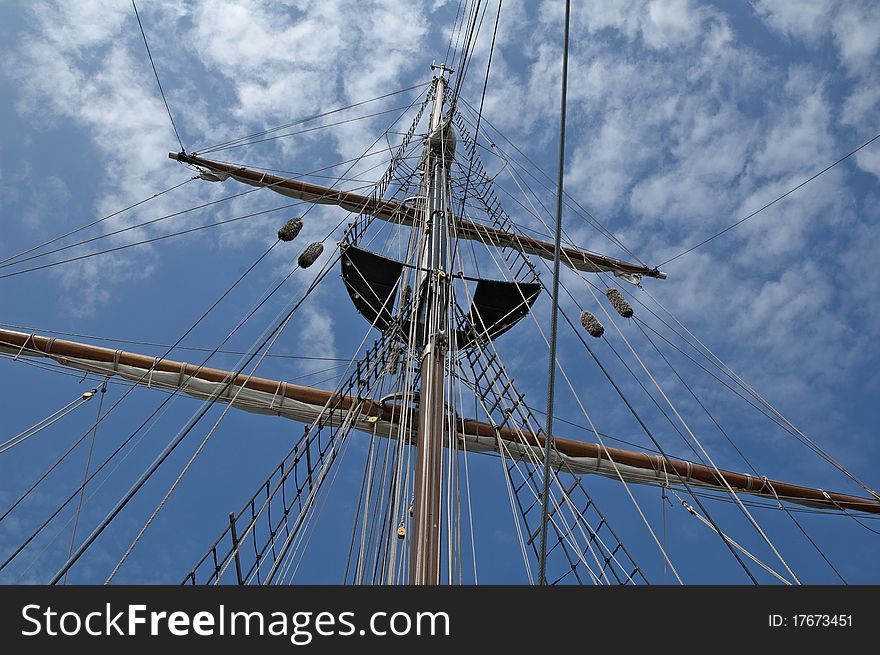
x=463, y=383
x=82, y=493
x=293, y=538
x=3, y=262
x=156, y=73
x=51, y=541
x=507, y=272
x=720, y=366
x=508, y=382
x=641, y=423
x=554, y=310
x=204, y=410
x=363, y=497
x=637, y=417
x=803, y=438
x=514, y=513
x=21, y=498
x=693, y=436
x=198, y=450
x=378, y=370
x=42, y=424
x=471, y=158
x=300, y=121
x=154, y=239
x=192, y=423
x=736, y=448
x=455, y=31
x=759, y=528
x=466, y=54
x=171, y=446
x=772, y=202
x=712, y=527
x=571, y=203
x=805, y=534
x=7, y=262
x=153, y=344
x=310, y=129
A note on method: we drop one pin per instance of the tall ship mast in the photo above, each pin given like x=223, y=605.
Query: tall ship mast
x=439, y=278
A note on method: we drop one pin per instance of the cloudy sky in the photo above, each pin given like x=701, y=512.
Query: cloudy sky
x=683, y=118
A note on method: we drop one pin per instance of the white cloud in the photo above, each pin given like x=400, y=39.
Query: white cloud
x=853, y=26
x=88, y=65
x=309, y=57
x=673, y=135
x=863, y=106
x=869, y=161
x=677, y=127
x=807, y=19
x=857, y=32
x=676, y=134
x=799, y=137
x=853, y=29
x=660, y=24
x=45, y=201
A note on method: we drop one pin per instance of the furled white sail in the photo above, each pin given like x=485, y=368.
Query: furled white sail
x=307, y=405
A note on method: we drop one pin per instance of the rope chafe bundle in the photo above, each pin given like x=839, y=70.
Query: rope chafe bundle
x=619, y=302
x=394, y=359
x=592, y=324
x=406, y=295
x=308, y=256
x=290, y=229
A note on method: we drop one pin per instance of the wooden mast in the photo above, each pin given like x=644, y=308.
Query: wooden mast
x=432, y=323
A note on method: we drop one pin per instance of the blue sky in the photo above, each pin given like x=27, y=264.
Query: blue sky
x=683, y=117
